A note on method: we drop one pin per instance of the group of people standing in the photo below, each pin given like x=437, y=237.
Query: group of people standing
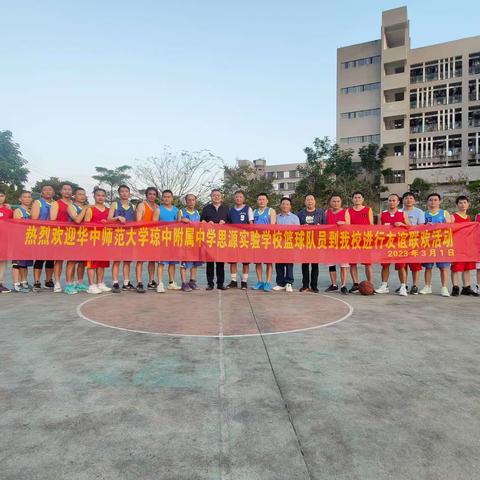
x=72, y=206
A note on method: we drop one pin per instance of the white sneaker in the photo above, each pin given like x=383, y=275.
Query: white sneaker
x=476, y=289
x=289, y=288
x=444, y=292
x=426, y=290
x=403, y=291
x=172, y=286
x=57, y=288
x=278, y=288
x=103, y=288
x=160, y=288
x=93, y=289
x=382, y=289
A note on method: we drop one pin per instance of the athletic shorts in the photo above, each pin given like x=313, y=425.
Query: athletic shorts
x=438, y=264
x=234, y=263
x=366, y=264
x=189, y=265
x=341, y=265
x=22, y=263
x=414, y=267
x=97, y=264
x=38, y=265
x=478, y=265
x=463, y=266
x=165, y=262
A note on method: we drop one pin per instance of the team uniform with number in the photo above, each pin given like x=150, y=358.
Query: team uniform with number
x=462, y=266
x=360, y=217
x=96, y=217
x=332, y=218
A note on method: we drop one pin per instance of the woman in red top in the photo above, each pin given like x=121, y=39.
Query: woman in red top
x=395, y=218
x=59, y=213
x=98, y=213
x=461, y=216
x=5, y=213
x=360, y=215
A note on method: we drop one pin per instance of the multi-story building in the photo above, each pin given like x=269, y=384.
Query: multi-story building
x=422, y=104
x=284, y=177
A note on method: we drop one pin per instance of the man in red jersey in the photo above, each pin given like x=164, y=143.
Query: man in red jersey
x=5, y=213
x=360, y=215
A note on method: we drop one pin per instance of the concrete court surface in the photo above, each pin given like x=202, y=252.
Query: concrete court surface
x=390, y=392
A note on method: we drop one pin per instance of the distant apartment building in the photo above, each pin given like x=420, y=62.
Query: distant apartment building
x=422, y=104
x=284, y=177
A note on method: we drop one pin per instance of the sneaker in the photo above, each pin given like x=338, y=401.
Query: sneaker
x=354, y=288
x=382, y=289
x=315, y=290
x=444, y=292
x=70, y=290
x=4, y=289
x=209, y=287
x=304, y=289
x=128, y=287
x=24, y=289
x=152, y=285
x=289, y=288
x=403, y=291
x=278, y=288
x=186, y=287
x=221, y=287
x=332, y=288
x=193, y=285
x=140, y=288
x=456, y=291
x=426, y=290
x=258, y=286
x=49, y=284
x=414, y=290
x=476, y=289
x=232, y=284
x=81, y=287
x=344, y=290
x=37, y=287
x=173, y=286
x=93, y=289
x=469, y=291
x=244, y=286
x=160, y=288
x=398, y=289
x=267, y=287
x=57, y=288
x=116, y=288
x=103, y=288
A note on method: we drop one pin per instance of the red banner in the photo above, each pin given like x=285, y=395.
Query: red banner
x=40, y=240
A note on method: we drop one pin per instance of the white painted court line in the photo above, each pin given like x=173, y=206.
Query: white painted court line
x=160, y=334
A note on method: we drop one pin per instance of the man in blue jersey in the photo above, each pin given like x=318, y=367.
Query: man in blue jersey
x=122, y=211
x=168, y=213
x=41, y=211
x=189, y=214
x=435, y=215
x=285, y=270
x=240, y=214
x=264, y=215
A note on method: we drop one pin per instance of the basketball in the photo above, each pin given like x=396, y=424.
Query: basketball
x=366, y=288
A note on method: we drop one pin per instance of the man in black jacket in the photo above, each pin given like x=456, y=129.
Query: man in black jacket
x=310, y=215
x=215, y=212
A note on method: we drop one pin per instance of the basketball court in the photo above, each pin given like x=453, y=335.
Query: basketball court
x=239, y=385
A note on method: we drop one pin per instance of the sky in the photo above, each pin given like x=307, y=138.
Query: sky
x=109, y=83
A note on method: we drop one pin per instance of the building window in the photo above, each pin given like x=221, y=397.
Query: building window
x=361, y=62
x=291, y=185
x=280, y=175
x=398, y=150
x=361, y=139
x=360, y=88
x=293, y=173
x=372, y=112
x=395, y=176
x=281, y=186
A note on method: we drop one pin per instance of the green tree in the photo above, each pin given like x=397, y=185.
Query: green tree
x=245, y=178
x=13, y=172
x=111, y=179
x=421, y=188
x=372, y=160
x=55, y=182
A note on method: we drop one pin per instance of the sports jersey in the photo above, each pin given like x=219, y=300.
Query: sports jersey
x=25, y=213
x=459, y=219
x=97, y=215
x=147, y=212
x=192, y=216
x=386, y=218
x=167, y=215
x=262, y=218
x=438, y=217
x=359, y=217
x=128, y=213
x=62, y=215
x=44, y=213
x=332, y=218
x=241, y=215
x=77, y=208
x=5, y=213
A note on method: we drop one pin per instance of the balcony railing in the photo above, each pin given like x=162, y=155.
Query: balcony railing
x=434, y=128
x=436, y=162
x=437, y=101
